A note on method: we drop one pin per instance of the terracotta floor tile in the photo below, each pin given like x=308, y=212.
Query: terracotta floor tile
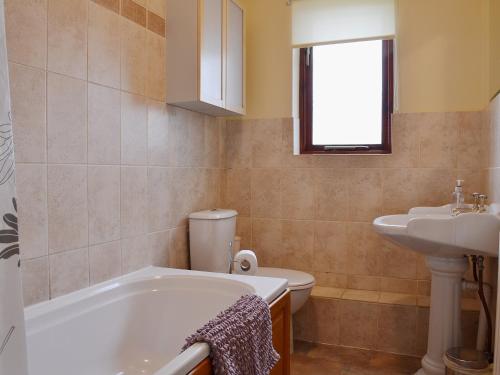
x=318, y=359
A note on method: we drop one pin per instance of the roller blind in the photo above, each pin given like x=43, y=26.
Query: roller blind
x=316, y=22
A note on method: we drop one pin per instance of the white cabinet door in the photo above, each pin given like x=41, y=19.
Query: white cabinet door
x=235, y=58
x=211, y=52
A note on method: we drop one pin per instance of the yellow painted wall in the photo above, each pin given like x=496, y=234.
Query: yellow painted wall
x=269, y=57
x=494, y=47
x=443, y=56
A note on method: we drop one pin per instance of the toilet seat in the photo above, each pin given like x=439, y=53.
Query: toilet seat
x=297, y=280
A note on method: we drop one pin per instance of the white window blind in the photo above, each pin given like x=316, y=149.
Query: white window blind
x=316, y=22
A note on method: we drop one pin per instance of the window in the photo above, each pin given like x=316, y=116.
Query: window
x=346, y=98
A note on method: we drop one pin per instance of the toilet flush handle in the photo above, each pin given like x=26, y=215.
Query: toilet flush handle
x=230, y=256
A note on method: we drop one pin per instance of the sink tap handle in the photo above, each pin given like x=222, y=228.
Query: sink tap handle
x=475, y=197
x=482, y=202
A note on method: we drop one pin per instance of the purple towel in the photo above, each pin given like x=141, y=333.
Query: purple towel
x=240, y=339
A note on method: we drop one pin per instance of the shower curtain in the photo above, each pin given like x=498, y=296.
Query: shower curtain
x=12, y=335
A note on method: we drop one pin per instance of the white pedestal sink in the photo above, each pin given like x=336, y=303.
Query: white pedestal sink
x=445, y=240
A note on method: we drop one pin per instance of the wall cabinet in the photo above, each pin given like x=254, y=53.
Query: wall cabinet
x=205, y=56
x=280, y=316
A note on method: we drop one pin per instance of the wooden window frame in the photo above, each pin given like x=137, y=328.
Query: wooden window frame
x=306, y=109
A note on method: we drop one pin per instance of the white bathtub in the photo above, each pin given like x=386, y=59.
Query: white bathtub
x=134, y=324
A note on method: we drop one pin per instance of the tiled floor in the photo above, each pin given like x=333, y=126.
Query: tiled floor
x=316, y=359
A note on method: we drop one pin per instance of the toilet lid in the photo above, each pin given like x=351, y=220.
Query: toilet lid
x=296, y=279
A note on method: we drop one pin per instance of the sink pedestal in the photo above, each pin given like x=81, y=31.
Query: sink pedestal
x=445, y=311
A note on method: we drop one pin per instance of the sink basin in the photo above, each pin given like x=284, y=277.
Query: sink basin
x=444, y=239
x=434, y=231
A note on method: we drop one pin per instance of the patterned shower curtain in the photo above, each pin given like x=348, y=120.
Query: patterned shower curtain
x=12, y=334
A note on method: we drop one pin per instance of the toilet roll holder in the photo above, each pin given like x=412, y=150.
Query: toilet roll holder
x=244, y=264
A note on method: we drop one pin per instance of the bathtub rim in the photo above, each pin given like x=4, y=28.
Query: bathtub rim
x=267, y=288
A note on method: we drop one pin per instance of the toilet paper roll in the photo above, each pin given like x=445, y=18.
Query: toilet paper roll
x=245, y=263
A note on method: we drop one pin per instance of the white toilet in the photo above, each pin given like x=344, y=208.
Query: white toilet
x=212, y=235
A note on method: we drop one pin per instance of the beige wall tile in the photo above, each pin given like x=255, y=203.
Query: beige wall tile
x=423, y=272
x=244, y=231
x=105, y=261
x=31, y=184
x=265, y=197
x=237, y=190
x=26, y=28
x=135, y=253
x=113, y=5
x=161, y=135
x=160, y=199
x=267, y=143
x=134, y=129
x=104, y=203
x=438, y=140
x=189, y=193
x=361, y=295
x=470, y=146
x=435, y=186
x=297, y=238
x=424, y=287
x=69, y=271
x=179, y=250
x=331, y=194
x=67, y=37
x=297, y=194
x=104, y=46
x=400, y=190
x=213, y=142
x=35, y=276
x=67, y=207
x=133, y=57
x=366, y=161
x=422, y=330
x=213, y=187
x=331, y=161
x=189, y=125
x=398, y=299
x=363, y=282
x=238, y=145
x=393, y=257
x=288, y=159
x=266, y=238
x=393, y=285
x=155, y=79
x=364, y=250
x=405, y=143
x=327, y=292
x=331, y=246
x=67, y=119
x=397, y=329
x=157, y=6
x=365, y=194
x=135, y=10
x=159, y=247
x=358, y=324
x=156, y=24
x=103, y=125
x=324, y=315
x=330, y=279
x=134, y=215
x=28, y=92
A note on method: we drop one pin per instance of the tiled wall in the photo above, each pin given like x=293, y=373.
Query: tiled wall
x=106, y=173
x=314, y=213
x=493, y=162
